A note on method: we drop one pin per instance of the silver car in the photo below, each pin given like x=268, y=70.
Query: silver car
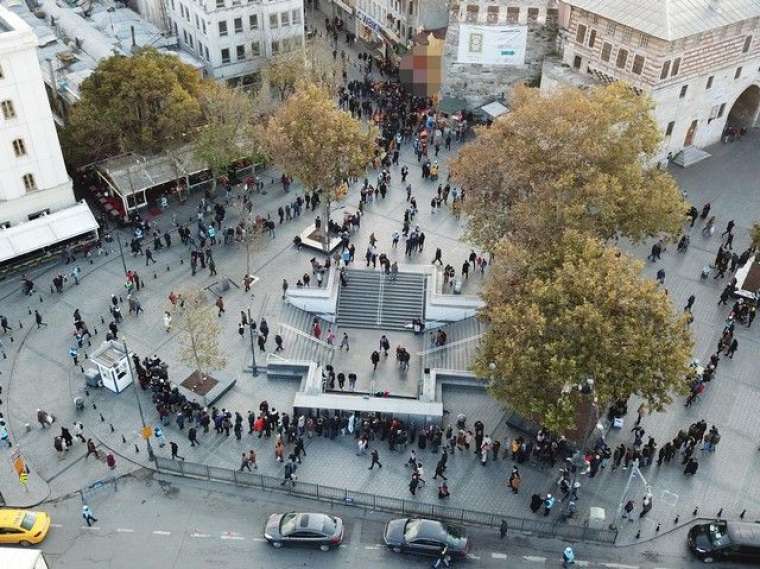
x=293, y=528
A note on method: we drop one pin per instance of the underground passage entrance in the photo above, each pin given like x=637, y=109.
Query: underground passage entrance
x=743, y=114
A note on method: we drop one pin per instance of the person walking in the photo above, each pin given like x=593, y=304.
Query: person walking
x=549, y=502
x=175, y=451
x=413, y=483
x=515, y=480
x=568, y=557
x=375, y=359
x=284, y=288
x=220, y=305
x=628, y=510
x=149, y=257
x=689, y=303
x=91, y=449
x=646, y=505
x=192, y=436
x=732, y=347
x=38, y=319
x=88, y=516
x=167, y=322
x=375, y=459
x=245, y=463
x=344, y=343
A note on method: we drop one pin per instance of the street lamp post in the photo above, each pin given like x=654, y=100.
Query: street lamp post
x=151, y=456
x=121, y=254
x=251, y=328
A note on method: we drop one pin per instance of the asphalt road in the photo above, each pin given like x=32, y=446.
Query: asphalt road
x=193, y=525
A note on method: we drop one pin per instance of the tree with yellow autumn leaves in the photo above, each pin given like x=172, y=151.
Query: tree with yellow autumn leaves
x=549, y=186
x=310, y=138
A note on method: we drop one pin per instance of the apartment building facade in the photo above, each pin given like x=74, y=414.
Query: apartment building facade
x=698, y=59
x=235, y=38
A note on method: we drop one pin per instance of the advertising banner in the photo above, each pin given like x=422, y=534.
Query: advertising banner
x=492, y=45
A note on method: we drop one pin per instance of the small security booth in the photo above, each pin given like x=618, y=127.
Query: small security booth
x=112, y=362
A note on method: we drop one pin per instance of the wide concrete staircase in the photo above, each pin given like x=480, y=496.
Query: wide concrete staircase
x=372, y=300
x=295, y=328
x=461, y=346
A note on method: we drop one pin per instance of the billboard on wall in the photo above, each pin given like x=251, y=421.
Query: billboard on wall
x=492, y=45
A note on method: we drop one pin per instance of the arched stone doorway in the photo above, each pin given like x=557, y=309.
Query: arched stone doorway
x=744, y=112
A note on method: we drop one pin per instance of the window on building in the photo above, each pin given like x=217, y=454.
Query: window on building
x=627, y=35
x=606, y=51
x=203, y=26
x=592, y=38
x=611, y=27
x=738, y=73
x=173, y=8
x=225, y=55
x=747, y=44
x=236, y=2
x=676, y=67
x=184, y=35
x=411, y=7
x=595, y=18
x=222, y=28
x=205, y=49
x=200, y=49
x=722, y=110
x=9, y=112
x=532, y=15
x=255, y=49
x=577, y=62
x=29, y=184
x=638, y=64
x=665, y=70
x=197, y=22
x=492, y=14
x=273, y=21
x=513, y=15
x=275, y=47
x=644, y=40
x=472, y=13
x=296, y=17
x=220, y=3
x=253, y=22
x=552, y=15
x=709, y=82
x=240, y=52
x=669, y=130
x=19, y=148
x=580, y=36
x=191, y=40
x=684, y=89
x=622, y=58
x=238, y=23
x=285, y=19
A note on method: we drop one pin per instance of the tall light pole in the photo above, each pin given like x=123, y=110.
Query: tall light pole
x=252, y=329
x=121, y=254
x=151, y=456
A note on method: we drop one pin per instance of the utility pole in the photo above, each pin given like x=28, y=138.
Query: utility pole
x=151, y=456
x=251, y=329
x=121, y=253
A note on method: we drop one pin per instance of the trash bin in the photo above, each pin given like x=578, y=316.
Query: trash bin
x=92, y=377
x=78, y=403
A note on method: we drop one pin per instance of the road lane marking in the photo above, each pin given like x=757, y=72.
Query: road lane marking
x=534, y=558
x=582, y=563
x=124, y=530
x=196, y=534
x=261, y=539
x=235, y=537
x=619, y=566
x=161, y=532
x=498, y=555
x=56, y=525
x=90, y=527
x=374, y=546
x=471, y=556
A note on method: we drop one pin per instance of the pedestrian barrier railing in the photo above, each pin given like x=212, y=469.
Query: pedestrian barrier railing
x=87, y=492
x=544, y=528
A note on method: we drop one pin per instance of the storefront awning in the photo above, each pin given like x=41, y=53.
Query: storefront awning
x=45, y=231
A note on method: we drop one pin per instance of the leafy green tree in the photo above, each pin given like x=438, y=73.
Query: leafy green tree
x=573, y=311
x=227, y=135
x=140, y=103
x=199, y=330
x=572, y=159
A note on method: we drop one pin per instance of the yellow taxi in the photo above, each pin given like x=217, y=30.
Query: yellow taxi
x=23, y=527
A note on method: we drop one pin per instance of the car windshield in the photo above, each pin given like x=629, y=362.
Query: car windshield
x=718, y=535
x=288, y=524
x=27, y=521
x=455, y=537
x=412, y=530
x=328, y=527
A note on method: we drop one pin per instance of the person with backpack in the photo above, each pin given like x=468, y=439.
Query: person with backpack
x=290, y=476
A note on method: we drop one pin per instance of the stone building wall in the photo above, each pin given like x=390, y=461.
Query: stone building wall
x=481, y=83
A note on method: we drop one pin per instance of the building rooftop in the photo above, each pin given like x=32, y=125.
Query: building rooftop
x=672, y=19
x=74, y=39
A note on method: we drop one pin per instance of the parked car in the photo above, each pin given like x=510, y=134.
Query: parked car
x=310, y=529
x=23, y=527
x=726, y=541
x=425, y=537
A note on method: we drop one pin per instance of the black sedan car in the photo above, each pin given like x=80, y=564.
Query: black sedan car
x=292, y=528
x=425, y=537
x=726, y=541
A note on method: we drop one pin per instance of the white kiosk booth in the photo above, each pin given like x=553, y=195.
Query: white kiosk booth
x=112, y=362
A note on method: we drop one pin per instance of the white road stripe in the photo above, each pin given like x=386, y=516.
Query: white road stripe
x=373, y=547
x=619, y=566
x=582, y=563
x=56, y=525
x=124, y=530
x=534, y=558
x=495, y=555
x=161, y=532
x=259, y=539
x=89, y=527
x=471, y=556
x=200, y=535
x=235, y=537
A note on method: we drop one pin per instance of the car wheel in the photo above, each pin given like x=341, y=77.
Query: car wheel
x=397, y=549
x=24, y=543
x=324, y=547
x=277, y=544
x=708, y=560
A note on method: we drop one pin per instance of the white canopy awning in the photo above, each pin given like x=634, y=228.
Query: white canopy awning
x=45, y=231
x=494, y=109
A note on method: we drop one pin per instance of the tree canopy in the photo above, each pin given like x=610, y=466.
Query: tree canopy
x=568, y=160
x=199, y=326
x=313, y=63
x=139, y=103
x=310, y=138
x=577, y=310
x=227, y=135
